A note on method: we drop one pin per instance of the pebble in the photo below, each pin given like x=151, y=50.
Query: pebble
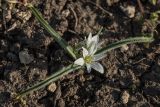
x=124, y=48
x=24, y=57
x=125, y=97
x=111, y=2
x=129, y=10
x=65, y=13
x=52, y=87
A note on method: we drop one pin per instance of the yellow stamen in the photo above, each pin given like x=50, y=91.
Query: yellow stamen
x=88, y=59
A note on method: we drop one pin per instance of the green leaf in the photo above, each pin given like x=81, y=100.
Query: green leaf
x=118, y=44
x=50, y=79
x=56, y=35
x=153, y=2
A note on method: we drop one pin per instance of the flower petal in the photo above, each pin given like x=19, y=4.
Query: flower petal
x=79, y=61
x=89, y=40
x=98, y=57
x=85, y=52
x=88, y=68
x=95, y=39
x=93, y=48
x=98, y=67
x=93, y=45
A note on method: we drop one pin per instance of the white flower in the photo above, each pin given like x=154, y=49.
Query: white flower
x=89, y=59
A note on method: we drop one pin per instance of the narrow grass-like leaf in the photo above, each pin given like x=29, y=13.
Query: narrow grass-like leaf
x=47, y=27
x=99, y=32
x=50, y=79
x=120, y=43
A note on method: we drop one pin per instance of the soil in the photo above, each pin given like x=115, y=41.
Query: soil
x=131, y=78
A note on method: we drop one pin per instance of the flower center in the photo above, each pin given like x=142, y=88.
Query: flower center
x=88, y=59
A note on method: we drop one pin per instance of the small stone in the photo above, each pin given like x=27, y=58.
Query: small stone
x=125, y=96
x=52, y=87
x=65, y=13
x=111, y=2
x=25, y=58
x=129, y=11
x=124, y=48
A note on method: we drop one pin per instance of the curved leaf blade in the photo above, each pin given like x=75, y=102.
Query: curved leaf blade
x=118, y=44
x=56, y=35
x=50, y=79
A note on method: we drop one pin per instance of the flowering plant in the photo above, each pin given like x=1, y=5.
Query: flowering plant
x=90, y=53
x=88, y=58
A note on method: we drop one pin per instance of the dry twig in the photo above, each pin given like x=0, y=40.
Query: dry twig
x=76, y=18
